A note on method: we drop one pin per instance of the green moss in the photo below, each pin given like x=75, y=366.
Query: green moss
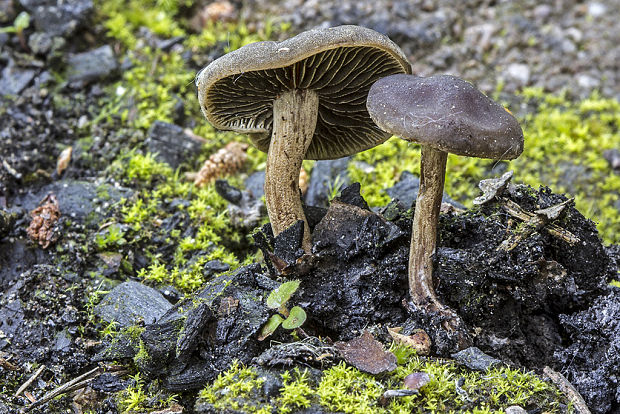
x=615, y=283
x=296, y=393
x=142, y=356
x=238, y=388
x=343, y=388
x=142, y=397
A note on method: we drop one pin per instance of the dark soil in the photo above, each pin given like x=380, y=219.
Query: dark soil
x=544, y=302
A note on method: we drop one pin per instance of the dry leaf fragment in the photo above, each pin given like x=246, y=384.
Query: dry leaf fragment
x=419, y=340
x=416, y=381
x=44, y=218
x=367, y=354
x=63, y=160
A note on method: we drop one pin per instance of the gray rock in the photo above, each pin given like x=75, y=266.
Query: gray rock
x=15, y=79
x=613, y=158
x=518, y=73
x=474, y=358
x=515, y=409
x=58, y=18
x=229, y=309
x=587, y=81
x=325, y=175
x=131, y=303
x=44, y=44
x=91, y=66
x=79, y=200
x=40, y=42
x=170, y=143
x=7, y=14
x=596, y=9
x=406, y=191
x=254, y=184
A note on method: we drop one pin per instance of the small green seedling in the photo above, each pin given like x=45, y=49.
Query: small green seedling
x=295, y=317
x=21, y=22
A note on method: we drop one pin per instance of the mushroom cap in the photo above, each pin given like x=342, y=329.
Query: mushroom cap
x=447, y=113
x=236, y=91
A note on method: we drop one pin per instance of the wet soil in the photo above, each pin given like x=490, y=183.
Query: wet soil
x=528, y=296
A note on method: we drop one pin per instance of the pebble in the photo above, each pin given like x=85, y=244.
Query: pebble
x=58, y=18
x=131, y=303
x=518, y=73
x=92, y=65
x=587, y=82
x=14, y=79
x=473, y=358
x=171, y=144
x=596, y=9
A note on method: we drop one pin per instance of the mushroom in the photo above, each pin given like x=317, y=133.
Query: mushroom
x=302, y=98
x=443, y=114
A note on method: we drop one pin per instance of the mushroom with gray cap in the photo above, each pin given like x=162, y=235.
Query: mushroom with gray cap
x=302, y=98
x=443, y=114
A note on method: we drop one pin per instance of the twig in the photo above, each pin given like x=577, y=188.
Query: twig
x=567, y=388
x=8, y=365
x=74, y=384
x=534, y=222
x=30, y=380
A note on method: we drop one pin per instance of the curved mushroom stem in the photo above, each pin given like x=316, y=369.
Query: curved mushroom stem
x=294, y=120
x=424, y=232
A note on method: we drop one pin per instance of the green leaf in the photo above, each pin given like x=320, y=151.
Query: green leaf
x=295, y=319
x=270, y=327
x=282, y=294
x=22, y=21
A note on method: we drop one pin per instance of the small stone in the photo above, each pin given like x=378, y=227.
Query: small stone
x=58, y=18
x=416, y=381
x=613, y=158
x=518, y=73
x=228, y=192
x=171, y=144
x=542, y=11
x=40, y=43
x=574, y=34
x=91, y=66
x=596, y=9
x=131, y=303
x=587, y=81
x=254, y=184
x=15, y=79
x=515, y=409
x=406, y=191
x=328, y=177
x=474, y=358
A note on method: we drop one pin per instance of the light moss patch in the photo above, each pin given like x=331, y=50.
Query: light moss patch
x=344, y=389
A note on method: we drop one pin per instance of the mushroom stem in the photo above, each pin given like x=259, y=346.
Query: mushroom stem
x=424, y=231
x=294, y=120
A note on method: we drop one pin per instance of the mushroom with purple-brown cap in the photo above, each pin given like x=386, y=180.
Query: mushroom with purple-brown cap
x=443, y=114
x=302, y=98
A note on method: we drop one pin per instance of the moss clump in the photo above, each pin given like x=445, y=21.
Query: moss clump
x=143, y=397
x=238, y=388
x=296, y=393
x=343, y=388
